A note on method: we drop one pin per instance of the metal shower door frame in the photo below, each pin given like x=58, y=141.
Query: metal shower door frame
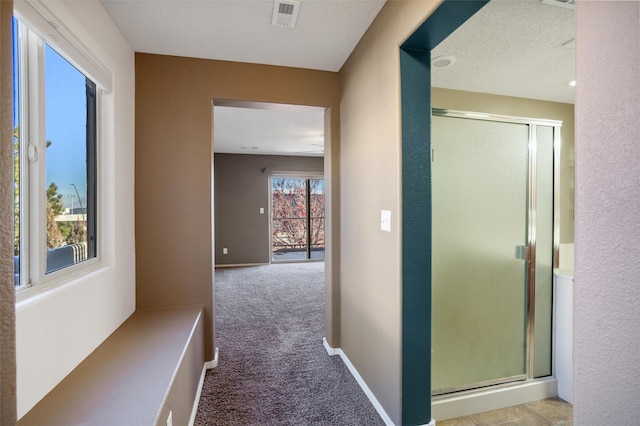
x=530, y=248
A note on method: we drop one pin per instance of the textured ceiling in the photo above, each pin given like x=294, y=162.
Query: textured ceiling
x=512, y=48
x=267, y=131
x=241, y=30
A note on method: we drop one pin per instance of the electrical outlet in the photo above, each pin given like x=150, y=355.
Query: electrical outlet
x=170, y=419
x=225, y=251
x=261, y=210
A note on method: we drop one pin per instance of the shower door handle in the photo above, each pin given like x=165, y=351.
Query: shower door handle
x=523, y=253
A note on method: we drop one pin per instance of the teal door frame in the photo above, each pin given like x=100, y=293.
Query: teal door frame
x=415, y=74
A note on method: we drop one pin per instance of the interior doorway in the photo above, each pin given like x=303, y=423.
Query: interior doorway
x=254, y=142
x=417, y=77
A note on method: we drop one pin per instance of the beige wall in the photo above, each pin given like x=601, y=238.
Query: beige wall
x=174, y=168
x=519, y=107
x=7, y=292
x=371, y=181
x=606, y=388
x=241, y=188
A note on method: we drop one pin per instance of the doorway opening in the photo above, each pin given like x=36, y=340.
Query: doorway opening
x=253, y=143
x=417, y=77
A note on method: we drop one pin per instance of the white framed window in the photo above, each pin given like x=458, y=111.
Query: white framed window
x=56, y=114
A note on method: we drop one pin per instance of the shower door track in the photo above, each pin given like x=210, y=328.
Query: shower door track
x=480, y=385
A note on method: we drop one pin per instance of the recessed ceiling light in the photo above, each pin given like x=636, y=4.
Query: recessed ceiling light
x=572, y=83
x=443, y=61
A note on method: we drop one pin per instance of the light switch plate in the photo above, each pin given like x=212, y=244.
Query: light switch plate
x=385, y=220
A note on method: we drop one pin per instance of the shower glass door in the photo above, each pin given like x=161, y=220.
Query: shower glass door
x=480, y=181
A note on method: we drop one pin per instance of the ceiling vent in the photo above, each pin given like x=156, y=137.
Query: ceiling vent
x=285, y=13
x=568, y=4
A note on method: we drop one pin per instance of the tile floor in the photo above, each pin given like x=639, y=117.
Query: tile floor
x=547, y=412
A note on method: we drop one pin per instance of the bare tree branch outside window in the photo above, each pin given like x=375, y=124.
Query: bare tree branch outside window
x=290, y=211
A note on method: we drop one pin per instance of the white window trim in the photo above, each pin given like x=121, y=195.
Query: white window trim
x=32, y=85
x=51, y=29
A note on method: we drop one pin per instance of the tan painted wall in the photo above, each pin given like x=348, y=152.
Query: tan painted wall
x=7, y=292
x=241, y=188
x=519, y=107
x=371, y=182
x=174, y=168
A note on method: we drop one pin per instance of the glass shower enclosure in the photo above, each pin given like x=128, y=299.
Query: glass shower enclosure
x=493, y=241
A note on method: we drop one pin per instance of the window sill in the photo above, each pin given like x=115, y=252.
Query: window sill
x=56, y=280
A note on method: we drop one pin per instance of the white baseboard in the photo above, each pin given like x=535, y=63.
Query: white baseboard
x=207, y=366
x=331, y=351
x=374, y=401
x=214, y=362
x=196, y=401
x=444, y=408
x=238, y=265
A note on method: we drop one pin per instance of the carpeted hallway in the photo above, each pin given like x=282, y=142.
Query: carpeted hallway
x=273, y=368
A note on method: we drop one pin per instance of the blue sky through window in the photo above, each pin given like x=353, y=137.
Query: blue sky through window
x=65, y=118
x=66, y=124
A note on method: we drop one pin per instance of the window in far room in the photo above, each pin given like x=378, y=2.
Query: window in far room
x=297, y=218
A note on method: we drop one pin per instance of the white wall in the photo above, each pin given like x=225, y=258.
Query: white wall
x=607, y=215
x=58, y=328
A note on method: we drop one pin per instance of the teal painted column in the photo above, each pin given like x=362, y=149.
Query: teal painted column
x=415, y=74
x=416, y=236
